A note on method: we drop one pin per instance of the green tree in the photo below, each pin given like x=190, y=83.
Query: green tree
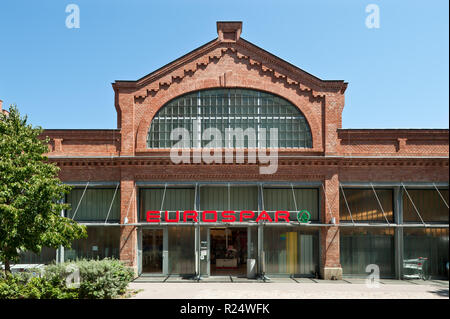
x=30, y=193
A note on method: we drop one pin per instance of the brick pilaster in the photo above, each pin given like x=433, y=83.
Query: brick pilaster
x=128, y=234
x=330, y=261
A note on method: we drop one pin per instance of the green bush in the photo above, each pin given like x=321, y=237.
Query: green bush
x=24, y=286
x=99, y=279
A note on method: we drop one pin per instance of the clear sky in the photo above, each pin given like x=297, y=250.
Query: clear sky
x=398, y=73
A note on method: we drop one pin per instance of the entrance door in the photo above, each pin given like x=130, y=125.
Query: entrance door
x=228, y=251
x=152, y=248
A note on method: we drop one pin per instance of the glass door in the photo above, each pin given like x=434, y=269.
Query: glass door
x=152, y=251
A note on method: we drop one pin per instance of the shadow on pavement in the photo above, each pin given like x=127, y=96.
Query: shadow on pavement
x=440, y=292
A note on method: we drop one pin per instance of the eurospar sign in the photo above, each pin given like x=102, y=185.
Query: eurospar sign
x=228, y=216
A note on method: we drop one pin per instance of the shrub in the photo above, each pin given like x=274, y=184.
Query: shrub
x=24, y=286
x=99, y=279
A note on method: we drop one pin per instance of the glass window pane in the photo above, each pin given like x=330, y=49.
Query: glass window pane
x=360, y=247
x=428, y=202
x=46, y=256
x=101, y=242
x=235, y=108
x=180, y=199
x=235, y=198
x=283, y=199
x=94, y=205
x=291, y=251
x=152, y=250
x=431, y=246
x=181, y=250
x=364, y=206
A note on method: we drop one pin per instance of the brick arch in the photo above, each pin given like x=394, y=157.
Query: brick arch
x=301, y=100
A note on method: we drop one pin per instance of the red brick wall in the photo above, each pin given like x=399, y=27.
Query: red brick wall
x=389, y=142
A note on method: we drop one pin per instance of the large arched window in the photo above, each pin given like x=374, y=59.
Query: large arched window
x=232, y=109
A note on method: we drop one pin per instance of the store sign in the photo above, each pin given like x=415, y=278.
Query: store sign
x=227, y=216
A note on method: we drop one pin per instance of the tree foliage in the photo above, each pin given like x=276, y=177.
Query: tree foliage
x=30, y=192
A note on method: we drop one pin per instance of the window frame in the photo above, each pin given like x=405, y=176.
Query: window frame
x=297, y=135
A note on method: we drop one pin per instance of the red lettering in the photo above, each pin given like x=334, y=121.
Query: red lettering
x=167, y=219
x=228, y=216
x=213, y=220
x=190, y=214
x=282, y=214
x=153, y=216
x=264, y=216
x=246, y=214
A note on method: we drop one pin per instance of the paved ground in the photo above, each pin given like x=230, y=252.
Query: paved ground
x=286, y=288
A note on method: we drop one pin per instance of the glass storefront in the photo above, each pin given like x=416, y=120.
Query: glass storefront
x=431, y=246
x=371, y=230
x=428, y=203
x=234, y=198
x=181, y=250
x=417, y=229
x=291, y=251
x=94, y=204
x=228, y=250
x=152, y=251
x=362, y=205
x=46, y=256
x=225, y=249
x=102, y=242
x=361, y=247
x=293, y=200
x=168, y=199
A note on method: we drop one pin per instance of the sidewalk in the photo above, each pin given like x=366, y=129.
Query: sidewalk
x=285, y=288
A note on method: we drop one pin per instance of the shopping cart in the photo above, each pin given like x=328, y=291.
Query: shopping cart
x=415, y=268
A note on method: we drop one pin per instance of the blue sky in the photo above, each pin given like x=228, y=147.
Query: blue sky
x=398, y=74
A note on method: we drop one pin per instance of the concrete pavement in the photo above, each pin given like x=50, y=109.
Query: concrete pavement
x=286, y=288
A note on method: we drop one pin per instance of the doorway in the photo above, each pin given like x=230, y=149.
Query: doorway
x=228, y=251
x=152, y=248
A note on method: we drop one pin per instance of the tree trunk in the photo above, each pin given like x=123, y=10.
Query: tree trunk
x=7, y=267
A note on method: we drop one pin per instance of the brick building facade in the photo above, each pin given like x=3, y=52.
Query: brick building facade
x=342, y=165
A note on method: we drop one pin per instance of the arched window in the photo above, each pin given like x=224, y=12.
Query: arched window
x=230, y=109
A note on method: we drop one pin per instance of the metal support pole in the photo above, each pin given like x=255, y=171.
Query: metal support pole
x=261, y=259
x=197, y=251
x=442, y=197
x=379, y=203
x=415, y=208
x=197, y=238
x=125, y=220
x=398, y=237
x=346, y=203
x=166, y=250
x=60, y=251
x=79, y=202
x=112, y=202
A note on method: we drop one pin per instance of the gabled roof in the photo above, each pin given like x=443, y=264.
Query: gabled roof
x=229, y=41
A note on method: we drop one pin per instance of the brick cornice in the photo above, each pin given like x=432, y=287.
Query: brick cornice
x=268, y=63
x=393, y=134
x=294, y=162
